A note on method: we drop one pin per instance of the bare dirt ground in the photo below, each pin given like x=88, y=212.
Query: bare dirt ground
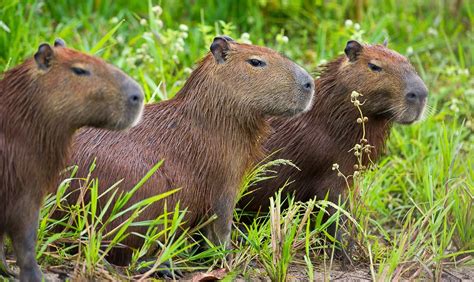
x=295, y=273
x=298, y=273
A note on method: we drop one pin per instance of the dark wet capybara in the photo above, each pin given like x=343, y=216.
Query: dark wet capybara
x=43, y=102
x=392, y=92
x=209, y=134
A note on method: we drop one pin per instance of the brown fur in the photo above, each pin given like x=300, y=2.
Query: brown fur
x=40, y=110
x=323, y=136
x=208, y=135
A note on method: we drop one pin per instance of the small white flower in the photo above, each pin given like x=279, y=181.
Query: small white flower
x=282, y=39
x=159, y=23
x=355, y=94
x=157, y=10
x=245, y=38
x=131, y=61
x=120, y=39
x=114, y=20
x=143, y=22
x=148, y=59
x=410, y=51
x=464, y=72
x=469, y=124
x=183, y=27
x=348, y=23
x=432, y=31
x=356, y=26
x=450, y=70
x=187, y=71
x=454, y=108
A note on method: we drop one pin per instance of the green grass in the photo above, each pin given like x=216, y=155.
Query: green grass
x=413, y=216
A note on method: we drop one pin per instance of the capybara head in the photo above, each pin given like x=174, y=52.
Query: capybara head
x=85, y=89
x=265, y=81
x=389, y=83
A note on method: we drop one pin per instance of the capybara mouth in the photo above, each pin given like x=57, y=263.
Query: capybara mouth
x=309, y=101
x=304, y=103
x=133, y=117
x=137, y=116
x=411, y=114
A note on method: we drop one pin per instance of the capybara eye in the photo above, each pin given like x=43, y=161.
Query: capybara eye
x=80, y=71
x=256, y=63
x=373, y=67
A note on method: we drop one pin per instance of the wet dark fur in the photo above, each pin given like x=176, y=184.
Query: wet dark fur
x=207, y=138
x=325, y=135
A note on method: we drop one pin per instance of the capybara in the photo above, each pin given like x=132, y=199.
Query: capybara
x=43, y=102
x=209, y=134
x=392, y=92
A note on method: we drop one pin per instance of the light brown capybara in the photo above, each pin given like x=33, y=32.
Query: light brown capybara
x=209, y=134
x=392, y=92
x=43, y=102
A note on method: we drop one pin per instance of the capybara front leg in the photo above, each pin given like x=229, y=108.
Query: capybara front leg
x=4, y=269
x=219, y=231
x=23, y=236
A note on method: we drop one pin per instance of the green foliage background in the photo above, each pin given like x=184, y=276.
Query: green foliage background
x=427, y=173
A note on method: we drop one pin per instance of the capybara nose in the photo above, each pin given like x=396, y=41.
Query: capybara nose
x=135, y=98
x=416, y=91
x=134, y=94
x=306, y=81
x=416, y=96
x=308, y=86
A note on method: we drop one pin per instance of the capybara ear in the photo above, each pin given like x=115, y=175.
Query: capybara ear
x=219, y=48
x=352, y=50
x=59, y=43
x=228, y=38
x=385, y=42
x=44, y=55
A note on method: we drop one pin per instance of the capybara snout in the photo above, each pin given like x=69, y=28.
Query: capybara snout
x=416, y=94
x=271, y=83
x=304, y=101
x=133, y=102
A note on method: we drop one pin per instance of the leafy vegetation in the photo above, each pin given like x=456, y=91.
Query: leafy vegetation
x=412, y=216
